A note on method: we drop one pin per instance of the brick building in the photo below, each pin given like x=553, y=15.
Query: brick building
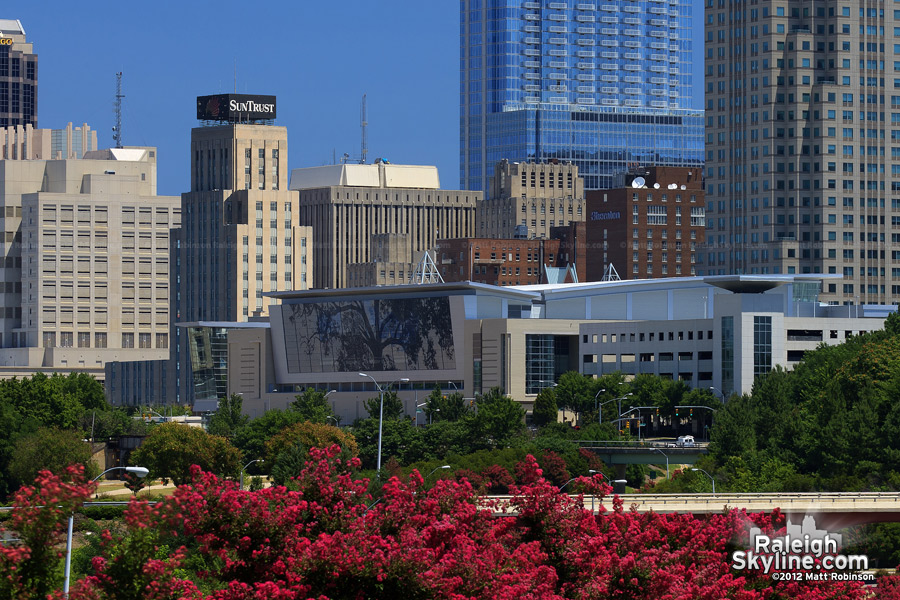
x=497, y=261
x=650, y=228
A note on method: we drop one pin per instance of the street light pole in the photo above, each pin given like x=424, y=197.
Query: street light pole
x=418, y=406
x=435, y=469
x=140, y=472
x=597, y=406
x=247, y=465
x=710, y=478
x=381, y=412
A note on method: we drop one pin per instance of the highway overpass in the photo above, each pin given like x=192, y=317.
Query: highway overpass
x=832, y=511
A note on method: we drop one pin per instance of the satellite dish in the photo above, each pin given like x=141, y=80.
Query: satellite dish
x=638, y=182
x=684, y=187
x=673, y=186
x=655, y=186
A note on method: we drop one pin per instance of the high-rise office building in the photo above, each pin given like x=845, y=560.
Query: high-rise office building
x=85, y=275
x=240, y=235
x=800, y=104
x=603, y=85
x=18, y=76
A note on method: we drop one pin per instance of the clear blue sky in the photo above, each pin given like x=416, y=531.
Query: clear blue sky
x=318, y=58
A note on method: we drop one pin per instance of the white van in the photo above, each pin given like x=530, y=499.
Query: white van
x=685, y=441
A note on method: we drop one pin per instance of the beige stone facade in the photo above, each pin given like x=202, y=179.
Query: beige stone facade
x=527, y=199
x=91, y=241
x=347, y=204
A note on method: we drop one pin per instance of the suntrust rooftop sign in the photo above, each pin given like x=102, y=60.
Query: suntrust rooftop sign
x=235, y=108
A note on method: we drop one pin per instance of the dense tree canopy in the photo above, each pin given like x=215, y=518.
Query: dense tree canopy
x=171, y=449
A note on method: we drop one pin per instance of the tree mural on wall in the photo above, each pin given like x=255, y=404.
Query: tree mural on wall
x=373, y=334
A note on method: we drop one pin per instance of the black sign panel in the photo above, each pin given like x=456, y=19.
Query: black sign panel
x=235, y=108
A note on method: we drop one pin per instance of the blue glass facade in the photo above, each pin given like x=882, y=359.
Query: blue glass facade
x=603, y=85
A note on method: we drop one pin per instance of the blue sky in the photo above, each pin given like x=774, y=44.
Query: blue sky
x=318, y=58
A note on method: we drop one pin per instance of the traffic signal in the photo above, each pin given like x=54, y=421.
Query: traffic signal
x=692, y=412
x=676, y=412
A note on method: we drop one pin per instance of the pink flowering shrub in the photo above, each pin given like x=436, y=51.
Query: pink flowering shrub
x=331, y=540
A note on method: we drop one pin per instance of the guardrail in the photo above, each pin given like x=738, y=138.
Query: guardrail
x=88, y=504
x=635, y=444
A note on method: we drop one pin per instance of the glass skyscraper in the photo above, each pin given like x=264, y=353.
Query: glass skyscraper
x=604, y=84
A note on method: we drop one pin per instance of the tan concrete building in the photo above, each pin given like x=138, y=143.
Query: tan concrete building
x=241, y=233
x=18, y=76
x=527, y=199
x=24, y=142
x=92, y=249
x=391, y=264
x=802, y=123
x=347, y=204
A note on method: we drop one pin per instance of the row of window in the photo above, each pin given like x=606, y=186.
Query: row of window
x=69, y=339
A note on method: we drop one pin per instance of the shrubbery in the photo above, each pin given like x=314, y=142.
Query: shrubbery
x=326, y=540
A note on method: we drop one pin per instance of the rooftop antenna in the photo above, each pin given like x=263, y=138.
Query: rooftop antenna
x=117, y=130
x=364, y=146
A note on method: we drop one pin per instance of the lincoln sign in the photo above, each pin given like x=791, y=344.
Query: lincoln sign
x=235, y=108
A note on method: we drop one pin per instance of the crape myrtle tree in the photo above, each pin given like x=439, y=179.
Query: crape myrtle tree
x=327, y=540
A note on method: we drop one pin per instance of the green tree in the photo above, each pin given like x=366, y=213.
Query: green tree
x=310, y=435
x=251, y=439
x=313, y=405
x=574, y=392
x=171, y=449
x=400, y=439
x=545, y=408
x=229, y=417
x=393, y=406
x=444, y=407
x=496, y=420
x=49, y=449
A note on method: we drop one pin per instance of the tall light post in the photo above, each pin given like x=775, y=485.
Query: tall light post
x=247, y=465
x=434, y=470
x=454, y=386
x=708, y=475
x=418, y=407
x=721, y=393
x=619, y=399
x=431, y=415
x=381, y=411
x=667, y=461
x=140, y=472
x=597, y=405
x=600, y=410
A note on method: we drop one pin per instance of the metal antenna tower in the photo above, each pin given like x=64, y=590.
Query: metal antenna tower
x=364, y=146
x=610, y=274
x=117, y=130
